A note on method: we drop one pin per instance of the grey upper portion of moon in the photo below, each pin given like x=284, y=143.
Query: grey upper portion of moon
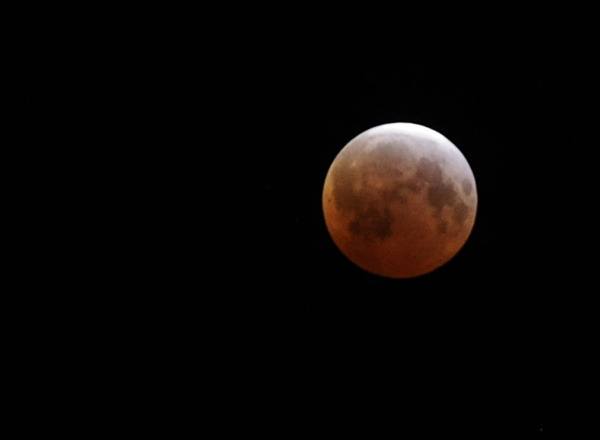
x=400, y=200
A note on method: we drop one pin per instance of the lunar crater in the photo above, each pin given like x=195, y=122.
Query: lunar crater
x=372, y=224
x=461, y=212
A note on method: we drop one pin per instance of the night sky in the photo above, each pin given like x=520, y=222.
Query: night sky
x=460, y=350
x=202, y=281
x=216, y=155
x=300, y=340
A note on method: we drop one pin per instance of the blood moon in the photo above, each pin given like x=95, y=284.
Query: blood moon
x=399, y=200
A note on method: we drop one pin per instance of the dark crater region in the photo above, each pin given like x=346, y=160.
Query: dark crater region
x=368, y=206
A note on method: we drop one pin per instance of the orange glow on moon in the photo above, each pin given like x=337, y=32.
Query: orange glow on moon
x=399, y=200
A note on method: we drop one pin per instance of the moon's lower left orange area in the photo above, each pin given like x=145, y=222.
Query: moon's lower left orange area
x=399, y=200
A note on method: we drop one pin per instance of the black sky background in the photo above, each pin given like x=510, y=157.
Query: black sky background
x=463, y=349
x=216, y=269
x=459, y=349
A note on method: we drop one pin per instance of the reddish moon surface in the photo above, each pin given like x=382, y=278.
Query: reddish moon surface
x=400, y=200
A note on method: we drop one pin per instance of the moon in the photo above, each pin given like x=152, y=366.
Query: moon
x=400, y=200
